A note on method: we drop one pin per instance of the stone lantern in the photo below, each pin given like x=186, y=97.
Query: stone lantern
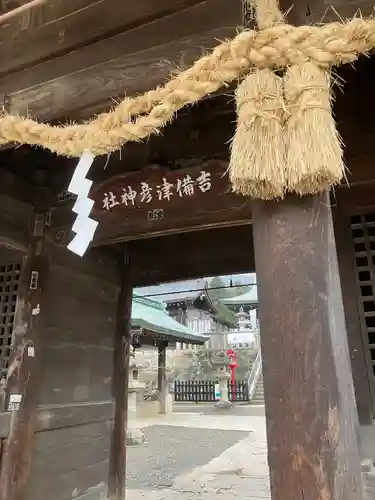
x=220, y=361
x=135, y=435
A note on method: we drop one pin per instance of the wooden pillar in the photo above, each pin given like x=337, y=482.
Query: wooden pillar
x=23, y=378
x=310, y=407
x=162, y=376
x=122, y=343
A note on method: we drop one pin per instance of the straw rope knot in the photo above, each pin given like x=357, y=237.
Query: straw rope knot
x=301, y=151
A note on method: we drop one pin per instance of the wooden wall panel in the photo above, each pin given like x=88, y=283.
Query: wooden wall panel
x=15, y=212
x=75, y=406
x=72, y=457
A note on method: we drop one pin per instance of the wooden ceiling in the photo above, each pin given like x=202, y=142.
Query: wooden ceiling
x=324, y=11
x=71, y=58
x=7, y=5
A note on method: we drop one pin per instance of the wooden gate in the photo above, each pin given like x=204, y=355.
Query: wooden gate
x=363, y=232
x=9, y=280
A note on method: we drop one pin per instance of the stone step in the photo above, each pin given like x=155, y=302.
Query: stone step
x=258, y=397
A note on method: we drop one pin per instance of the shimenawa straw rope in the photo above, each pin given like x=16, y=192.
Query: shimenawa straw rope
x=137, y=118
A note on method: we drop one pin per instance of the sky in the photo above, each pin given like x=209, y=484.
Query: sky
x=158, y=291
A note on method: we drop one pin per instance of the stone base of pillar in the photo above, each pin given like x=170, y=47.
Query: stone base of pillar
x=135, y=437
x=223, y=405
x=165, y=403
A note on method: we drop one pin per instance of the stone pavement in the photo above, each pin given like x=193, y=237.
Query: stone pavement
x=200, y=454
x=229, y=460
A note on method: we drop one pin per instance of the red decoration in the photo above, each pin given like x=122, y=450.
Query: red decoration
x=232, y=365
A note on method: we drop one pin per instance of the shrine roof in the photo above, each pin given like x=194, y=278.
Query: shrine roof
x=187, y=290
x=248, y=298
x=151, y=314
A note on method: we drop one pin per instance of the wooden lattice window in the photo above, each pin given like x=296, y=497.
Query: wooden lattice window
x=9, y=281
x=363, y=231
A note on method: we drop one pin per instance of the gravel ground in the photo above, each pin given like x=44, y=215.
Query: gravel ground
x=171, y=451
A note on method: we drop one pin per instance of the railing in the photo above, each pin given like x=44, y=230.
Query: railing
x=194, y=390
x=255, y=373
x=203, y=391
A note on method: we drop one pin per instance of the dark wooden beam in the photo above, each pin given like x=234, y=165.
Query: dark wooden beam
x=16, y=210
x=63, y=25
x=23, y=378
x=193, y=255
x=16, y=187
x=310, y=405
x=321, y=11
x=133, y=61
x=122, y=342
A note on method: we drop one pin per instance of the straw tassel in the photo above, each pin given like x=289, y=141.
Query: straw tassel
x=257, y=163
x=314, y=156
x=256, y=166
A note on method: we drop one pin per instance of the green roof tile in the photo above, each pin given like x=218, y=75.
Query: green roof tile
x=151, y=314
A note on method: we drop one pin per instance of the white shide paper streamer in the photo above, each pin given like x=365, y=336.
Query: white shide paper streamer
x=84, y=226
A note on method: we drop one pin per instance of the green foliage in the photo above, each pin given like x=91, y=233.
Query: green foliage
x=245, y=360
x=217, y=288
x=238, y=289
x=224, y=315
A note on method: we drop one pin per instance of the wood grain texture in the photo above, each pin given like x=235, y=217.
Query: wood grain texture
x=64, y=25
x=310, y=403
x=24, y=373
x=92, y=478
x=75, y=414
x=181, y=212
x=132, y=61
x=359, y=354
x=122, y=346
x=67, y=450
x=16, y=210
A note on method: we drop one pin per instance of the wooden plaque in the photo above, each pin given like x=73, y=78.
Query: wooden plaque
x=156, y=201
